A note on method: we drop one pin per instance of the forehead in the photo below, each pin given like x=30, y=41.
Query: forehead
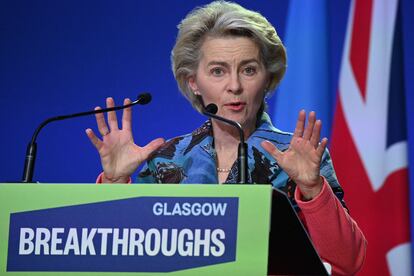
x=229, y=49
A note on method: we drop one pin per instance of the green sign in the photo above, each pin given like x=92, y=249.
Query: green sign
x=51, y=229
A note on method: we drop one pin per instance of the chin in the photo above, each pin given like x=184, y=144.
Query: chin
x=243, y=121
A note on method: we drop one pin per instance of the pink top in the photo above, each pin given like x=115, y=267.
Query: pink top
x=335, y=235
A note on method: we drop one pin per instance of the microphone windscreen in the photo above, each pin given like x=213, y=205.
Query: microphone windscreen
x=212, y=108
x=144, y=98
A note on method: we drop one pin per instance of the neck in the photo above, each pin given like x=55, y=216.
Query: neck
x=227, y=137
x=226, y=142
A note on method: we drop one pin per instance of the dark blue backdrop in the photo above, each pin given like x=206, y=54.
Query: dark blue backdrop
x=60, y=57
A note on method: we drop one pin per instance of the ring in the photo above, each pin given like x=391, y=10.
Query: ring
x=106, y=133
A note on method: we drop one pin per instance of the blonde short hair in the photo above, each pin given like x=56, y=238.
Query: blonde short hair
x=219, y=19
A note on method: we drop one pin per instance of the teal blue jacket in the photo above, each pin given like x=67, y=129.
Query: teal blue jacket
x=191, y=159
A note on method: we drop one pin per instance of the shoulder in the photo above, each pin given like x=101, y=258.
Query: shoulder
x=168, y=164
x=266, y=131
x=181, y=145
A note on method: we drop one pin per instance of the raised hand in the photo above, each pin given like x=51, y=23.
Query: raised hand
x=120, y=156
x=301, y=161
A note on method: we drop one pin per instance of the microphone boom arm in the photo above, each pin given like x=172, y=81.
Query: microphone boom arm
x=242, y=150
x=32, y=146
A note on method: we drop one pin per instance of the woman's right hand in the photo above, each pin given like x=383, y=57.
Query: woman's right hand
x=120, y=156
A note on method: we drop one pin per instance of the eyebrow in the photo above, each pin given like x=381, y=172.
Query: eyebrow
x=225, y=64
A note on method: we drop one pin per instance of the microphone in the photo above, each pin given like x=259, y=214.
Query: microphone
x=31, y=150
x=210, y=111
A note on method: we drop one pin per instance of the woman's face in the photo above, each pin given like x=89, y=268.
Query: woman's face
x=231, y=75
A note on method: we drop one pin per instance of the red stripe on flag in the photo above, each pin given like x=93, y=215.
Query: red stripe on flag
x=383, y=216
x=360, y=42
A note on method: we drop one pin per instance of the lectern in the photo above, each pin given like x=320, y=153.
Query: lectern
x=86, y=229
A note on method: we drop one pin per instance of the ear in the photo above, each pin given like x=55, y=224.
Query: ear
x=193, y=84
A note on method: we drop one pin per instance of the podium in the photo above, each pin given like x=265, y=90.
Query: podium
x=86, y=229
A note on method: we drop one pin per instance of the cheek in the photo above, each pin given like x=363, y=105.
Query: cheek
x=209, y=90
x=258, y=95
x=257, y=104
x=209, y=96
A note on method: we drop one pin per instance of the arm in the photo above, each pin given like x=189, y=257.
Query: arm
x=336, y=236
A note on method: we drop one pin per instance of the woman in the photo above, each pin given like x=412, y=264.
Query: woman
x=232, y=57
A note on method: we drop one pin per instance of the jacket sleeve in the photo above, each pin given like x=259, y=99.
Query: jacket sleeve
x=336, y=236
x=148, y=174
x=100, y=176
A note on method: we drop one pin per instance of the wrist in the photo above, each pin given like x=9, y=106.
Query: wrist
x=309, y=192
x=120, y=179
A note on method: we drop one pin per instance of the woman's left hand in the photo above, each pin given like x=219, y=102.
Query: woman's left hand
x=301, y=161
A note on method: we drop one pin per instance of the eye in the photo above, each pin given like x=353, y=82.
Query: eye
x=217, y=71
x=250, y=70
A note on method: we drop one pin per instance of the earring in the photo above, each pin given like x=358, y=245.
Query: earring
x=197, y=93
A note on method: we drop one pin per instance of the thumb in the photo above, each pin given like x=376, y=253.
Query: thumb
x=152, y=146
x=272, y=149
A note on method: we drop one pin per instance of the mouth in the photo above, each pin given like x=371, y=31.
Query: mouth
x=235, y=106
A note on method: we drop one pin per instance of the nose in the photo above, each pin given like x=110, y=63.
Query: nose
x=234, y=85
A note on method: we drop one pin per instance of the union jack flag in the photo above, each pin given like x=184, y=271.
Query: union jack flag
x=369, y=141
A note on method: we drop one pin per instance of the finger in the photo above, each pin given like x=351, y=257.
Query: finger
x=112, y=120
x=300, y=124
x=95, y=140
x=152, y=146
x=272, y=149
x=100, y=121
x=309, y=128
x=126, y=116
x=316, y=134
x=322, y=146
